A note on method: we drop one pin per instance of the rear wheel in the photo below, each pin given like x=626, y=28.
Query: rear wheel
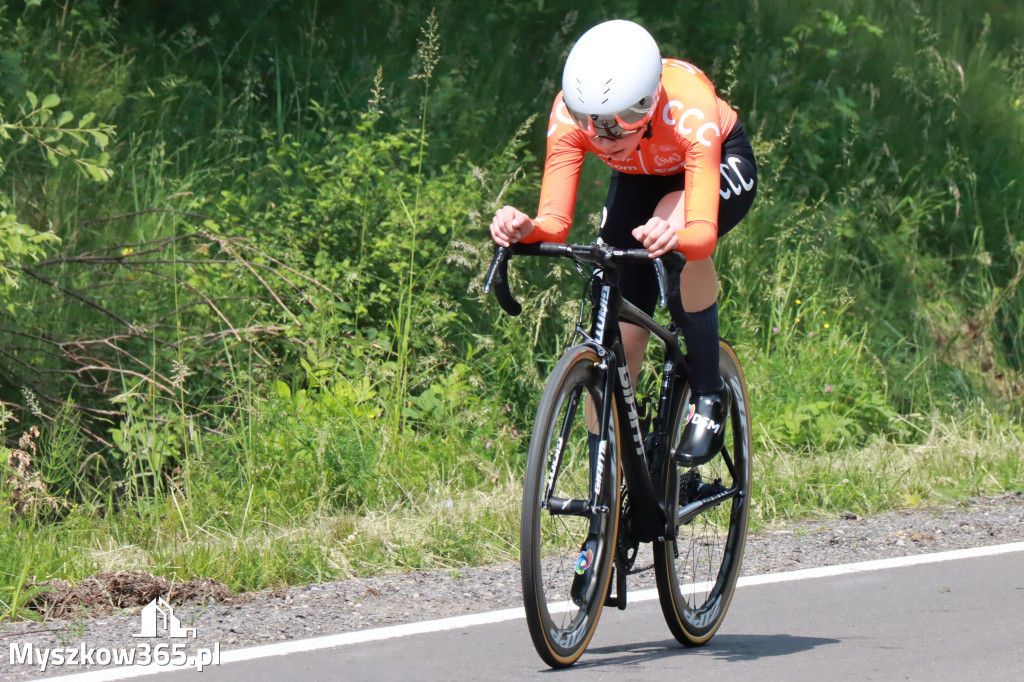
x=697, y=572
x=567, y=545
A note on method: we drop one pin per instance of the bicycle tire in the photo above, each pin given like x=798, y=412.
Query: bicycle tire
x=552, y=545
x=697, y=572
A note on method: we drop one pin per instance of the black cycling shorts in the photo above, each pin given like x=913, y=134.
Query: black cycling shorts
x=632, y=199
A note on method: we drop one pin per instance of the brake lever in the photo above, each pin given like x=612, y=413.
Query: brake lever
x=672, y=264
x=659, y=270
x=497, y=278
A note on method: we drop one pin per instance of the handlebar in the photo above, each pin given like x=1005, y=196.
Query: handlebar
x=668, y=266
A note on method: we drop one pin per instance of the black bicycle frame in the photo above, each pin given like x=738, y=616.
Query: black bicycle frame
x=642, y=463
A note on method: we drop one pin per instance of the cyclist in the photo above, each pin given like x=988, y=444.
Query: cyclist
x=683, y=174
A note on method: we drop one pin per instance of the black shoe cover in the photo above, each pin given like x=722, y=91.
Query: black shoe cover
x=704, y=433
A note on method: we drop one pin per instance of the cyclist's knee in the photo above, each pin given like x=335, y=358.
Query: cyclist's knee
x=699, y=285
x=672, y=208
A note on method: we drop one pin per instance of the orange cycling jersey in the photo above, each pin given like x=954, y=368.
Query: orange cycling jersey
x=687, y=131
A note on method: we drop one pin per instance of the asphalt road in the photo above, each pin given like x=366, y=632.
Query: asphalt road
x=959, y=619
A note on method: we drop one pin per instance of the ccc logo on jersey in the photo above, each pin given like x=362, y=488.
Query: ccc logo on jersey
x=733, y=178
x=676, y=114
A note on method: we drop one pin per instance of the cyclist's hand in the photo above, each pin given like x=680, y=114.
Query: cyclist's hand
x=697, y=241
x=658, y=237
x=509, y=225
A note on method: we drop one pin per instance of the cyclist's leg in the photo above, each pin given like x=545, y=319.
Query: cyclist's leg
x=634, y=342
x=699, y=288
x=699, y=283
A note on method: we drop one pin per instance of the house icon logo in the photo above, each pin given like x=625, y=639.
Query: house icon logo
x=158, y=615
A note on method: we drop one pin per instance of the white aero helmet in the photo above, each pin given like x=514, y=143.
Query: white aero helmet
x=611, y=79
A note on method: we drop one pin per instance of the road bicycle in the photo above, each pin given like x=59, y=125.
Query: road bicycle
x=592, y=496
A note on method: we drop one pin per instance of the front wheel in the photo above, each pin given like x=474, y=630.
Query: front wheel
x=697, y=572
x=570, y=512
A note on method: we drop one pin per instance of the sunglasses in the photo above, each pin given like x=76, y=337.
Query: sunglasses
x=618, y=125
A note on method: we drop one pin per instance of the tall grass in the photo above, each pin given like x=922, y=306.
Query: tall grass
x=303, y=380
x=970, y=453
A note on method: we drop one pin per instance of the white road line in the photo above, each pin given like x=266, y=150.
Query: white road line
x=473, y=620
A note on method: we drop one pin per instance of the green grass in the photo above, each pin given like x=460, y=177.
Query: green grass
x=442, y=528
x=283, y=547
x=972, y=454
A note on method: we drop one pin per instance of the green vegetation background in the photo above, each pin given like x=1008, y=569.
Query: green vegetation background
x=241, y=243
